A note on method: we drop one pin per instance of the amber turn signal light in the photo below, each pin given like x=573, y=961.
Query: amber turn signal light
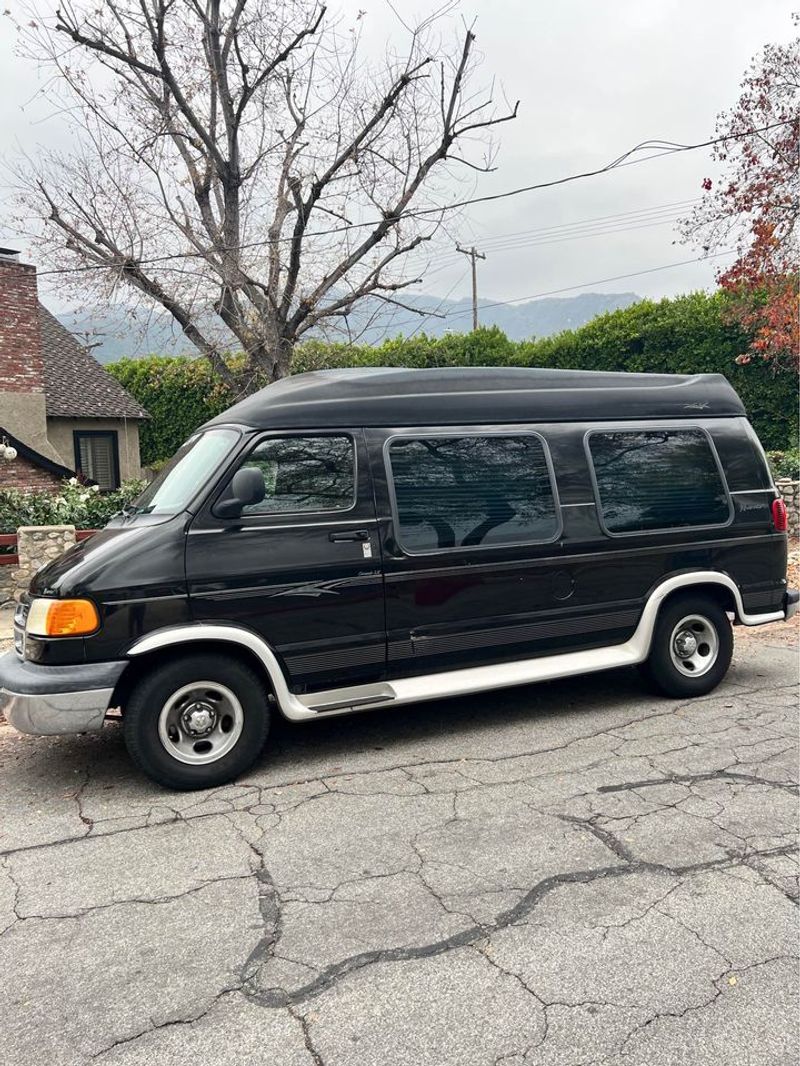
x=62, y=618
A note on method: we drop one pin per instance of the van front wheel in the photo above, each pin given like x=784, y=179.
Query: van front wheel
x=691, y=649
x=196, y=722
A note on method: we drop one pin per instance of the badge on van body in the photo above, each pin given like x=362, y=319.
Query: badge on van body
x=367, y=548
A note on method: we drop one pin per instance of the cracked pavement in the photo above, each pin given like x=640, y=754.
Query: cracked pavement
x=573, y=873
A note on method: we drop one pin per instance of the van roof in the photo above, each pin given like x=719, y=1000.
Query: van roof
x=389, y=396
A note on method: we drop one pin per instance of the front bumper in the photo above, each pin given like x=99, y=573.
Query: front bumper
x=50, y=700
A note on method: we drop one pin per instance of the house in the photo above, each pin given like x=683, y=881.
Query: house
x=59, y=409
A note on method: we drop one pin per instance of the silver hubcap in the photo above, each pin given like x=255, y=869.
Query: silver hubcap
x=200, y=722
x=694, y=645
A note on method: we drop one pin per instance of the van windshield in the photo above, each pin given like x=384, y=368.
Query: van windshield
x=187, y=471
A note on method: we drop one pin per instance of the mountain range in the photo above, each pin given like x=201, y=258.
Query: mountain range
x=117, y=334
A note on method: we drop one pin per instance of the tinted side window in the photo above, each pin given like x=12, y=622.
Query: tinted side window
x=658, y=479
x=304, y=474
x=466, y=492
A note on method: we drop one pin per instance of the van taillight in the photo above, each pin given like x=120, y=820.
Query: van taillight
x=779, y=520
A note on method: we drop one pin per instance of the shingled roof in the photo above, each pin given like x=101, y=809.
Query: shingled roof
x=76, y=386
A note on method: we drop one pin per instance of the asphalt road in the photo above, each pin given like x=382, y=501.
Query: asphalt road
x=573, y=873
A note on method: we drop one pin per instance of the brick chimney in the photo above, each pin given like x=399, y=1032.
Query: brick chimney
x=21, y=368
x=22, y=397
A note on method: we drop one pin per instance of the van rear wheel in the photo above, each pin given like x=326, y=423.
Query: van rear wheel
x=692, y=647
x=197, y=722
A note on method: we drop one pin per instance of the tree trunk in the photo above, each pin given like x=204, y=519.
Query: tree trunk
x=282, y=357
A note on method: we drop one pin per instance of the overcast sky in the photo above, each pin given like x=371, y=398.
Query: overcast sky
x=593, y=79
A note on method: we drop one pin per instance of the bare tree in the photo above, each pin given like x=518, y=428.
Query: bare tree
x=240, y=165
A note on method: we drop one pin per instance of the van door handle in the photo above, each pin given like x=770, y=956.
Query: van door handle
x=350, y=534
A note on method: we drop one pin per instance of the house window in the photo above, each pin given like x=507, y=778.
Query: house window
x=97, y=457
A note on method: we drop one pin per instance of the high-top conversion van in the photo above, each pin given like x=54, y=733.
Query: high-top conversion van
x=360, y=539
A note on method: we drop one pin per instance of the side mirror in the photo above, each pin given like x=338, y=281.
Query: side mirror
x=246, y=488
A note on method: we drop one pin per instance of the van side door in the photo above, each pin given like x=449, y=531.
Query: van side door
x=473, y=555
x=302, y=568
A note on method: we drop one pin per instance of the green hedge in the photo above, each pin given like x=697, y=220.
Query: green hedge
x=685, y=335
x=785, y=464
x=179, y=394
x=486, y=347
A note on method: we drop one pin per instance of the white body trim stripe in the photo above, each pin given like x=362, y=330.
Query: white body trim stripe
x=452, y=682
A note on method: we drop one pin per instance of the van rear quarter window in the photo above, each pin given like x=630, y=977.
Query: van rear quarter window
x=650, y=480
x=472, y=491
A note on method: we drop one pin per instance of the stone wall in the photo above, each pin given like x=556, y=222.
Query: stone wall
x=790, y=490
x=37, y=546
x=8, y=583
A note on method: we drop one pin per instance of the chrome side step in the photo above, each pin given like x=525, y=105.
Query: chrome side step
x=349, y=699
x=463, y=682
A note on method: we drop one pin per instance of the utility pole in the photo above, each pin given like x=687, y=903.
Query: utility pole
x=474, y=254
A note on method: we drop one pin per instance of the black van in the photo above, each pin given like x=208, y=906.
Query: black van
x=360, y=539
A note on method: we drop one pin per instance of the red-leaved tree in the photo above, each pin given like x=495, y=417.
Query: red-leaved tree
x=754, y=208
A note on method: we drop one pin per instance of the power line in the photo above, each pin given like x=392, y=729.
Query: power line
x=587, y=284
x=447, y=261
x=661, y=148
x=632, y=217
x=600, y=225
x=512, y=245
x=597, y=219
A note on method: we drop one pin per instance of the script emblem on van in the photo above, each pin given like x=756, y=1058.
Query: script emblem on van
x=699, y=406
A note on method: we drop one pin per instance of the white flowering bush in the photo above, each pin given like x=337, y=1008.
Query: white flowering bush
x=73, y=504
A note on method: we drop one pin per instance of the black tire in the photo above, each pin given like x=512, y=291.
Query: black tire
x=228, y=693
x=661, y=669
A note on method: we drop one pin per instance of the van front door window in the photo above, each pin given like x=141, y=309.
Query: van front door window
x=304, y=474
